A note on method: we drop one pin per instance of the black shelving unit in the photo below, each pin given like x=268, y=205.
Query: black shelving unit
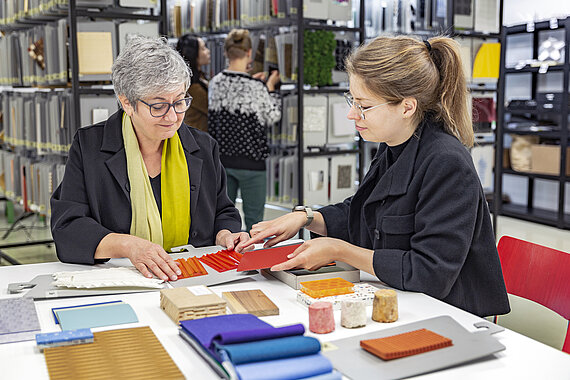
x=304, y=24
x=558, y=218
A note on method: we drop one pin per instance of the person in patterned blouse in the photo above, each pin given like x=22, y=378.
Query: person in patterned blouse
x=241, y=107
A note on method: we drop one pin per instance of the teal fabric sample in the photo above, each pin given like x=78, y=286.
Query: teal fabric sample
x=96, y=316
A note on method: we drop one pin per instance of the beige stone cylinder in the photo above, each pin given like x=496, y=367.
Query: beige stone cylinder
x=353, y=313
x=385, y=306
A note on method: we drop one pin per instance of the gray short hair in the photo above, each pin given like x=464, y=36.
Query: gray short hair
x=148, y=66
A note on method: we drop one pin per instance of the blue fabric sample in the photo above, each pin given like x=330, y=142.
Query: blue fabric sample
x=285, y=369
x=334, y=375
x=271, y=349
x=55, y=309
x=233, y=328
x=241, y=336
x=96, y=316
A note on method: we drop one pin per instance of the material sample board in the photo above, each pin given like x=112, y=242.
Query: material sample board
x=354, y=362
x=18, y=320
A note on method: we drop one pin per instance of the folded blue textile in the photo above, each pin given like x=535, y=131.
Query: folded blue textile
x=241, y=336
x=271, y=349
x=334, y=375
x=285, y=369
x=234, y=328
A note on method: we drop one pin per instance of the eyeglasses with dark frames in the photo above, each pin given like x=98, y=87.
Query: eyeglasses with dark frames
x=351, y=103
x=160, y=109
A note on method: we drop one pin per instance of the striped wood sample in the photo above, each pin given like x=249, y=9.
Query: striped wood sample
x=250, y=301
x=133, y=353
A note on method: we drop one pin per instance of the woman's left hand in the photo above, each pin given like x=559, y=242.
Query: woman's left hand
x=314, y=254
x=230, y=240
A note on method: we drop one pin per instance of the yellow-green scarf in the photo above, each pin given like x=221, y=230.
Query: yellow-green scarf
x=175, y=192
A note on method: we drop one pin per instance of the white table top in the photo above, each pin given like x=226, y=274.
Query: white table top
x=523, y=358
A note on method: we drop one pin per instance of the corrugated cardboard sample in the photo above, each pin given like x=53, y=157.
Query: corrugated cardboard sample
x=116, y=354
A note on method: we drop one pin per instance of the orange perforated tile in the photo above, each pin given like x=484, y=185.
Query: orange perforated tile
x=406, y=344
x=328, y=287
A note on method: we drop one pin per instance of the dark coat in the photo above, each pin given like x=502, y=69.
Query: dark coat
x=93, y=200
x=427, y=220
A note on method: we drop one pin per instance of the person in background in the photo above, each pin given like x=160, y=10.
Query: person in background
x=142, y=182
x=419, y=220
x=196, y=54
x=241, y=108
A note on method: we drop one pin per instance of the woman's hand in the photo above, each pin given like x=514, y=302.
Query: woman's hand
x=230, y=240
x=272, y=80
x=148, y=257
x=260, y=75
x=283, y=228
x=314, y=254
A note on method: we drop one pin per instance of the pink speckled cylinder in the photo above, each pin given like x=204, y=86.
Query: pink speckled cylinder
x=321, y=317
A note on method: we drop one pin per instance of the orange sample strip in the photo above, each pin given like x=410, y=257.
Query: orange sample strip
x=222, y=261
x=406, y=344
x=189, y=269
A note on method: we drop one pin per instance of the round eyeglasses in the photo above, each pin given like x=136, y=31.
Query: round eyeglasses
x=160, y=109
x=350, y=101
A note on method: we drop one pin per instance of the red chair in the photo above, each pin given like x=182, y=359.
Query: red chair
x=539, y=274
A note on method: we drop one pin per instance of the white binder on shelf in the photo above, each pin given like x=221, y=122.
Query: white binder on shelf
x=463, y=17
x=95, y=107
x=291, y=170
x=343, y=177
x=339, y=128
x=339, y=10
x=315, y=181
x=138, y=3
x=147, y=29
x=487, y=16
x=316, y=9
x=281, y=179
x=315, y=112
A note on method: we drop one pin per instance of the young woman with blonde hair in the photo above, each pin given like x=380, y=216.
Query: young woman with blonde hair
x=419, y=221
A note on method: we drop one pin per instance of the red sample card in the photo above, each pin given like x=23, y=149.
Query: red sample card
x=266, y=258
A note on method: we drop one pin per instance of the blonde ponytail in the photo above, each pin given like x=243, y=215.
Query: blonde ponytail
x=453, y=94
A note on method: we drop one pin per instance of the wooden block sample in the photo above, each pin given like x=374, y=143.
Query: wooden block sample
x=250, y=302
x=182, y=304
x=123, y=354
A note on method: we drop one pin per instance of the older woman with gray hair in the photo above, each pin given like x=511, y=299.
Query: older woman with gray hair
x=142, y=181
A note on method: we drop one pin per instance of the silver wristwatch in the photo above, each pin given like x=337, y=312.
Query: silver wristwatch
x=308, y=211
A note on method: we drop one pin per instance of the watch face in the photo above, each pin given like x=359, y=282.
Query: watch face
x=299, y=208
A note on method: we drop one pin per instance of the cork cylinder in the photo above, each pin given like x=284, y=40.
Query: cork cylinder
x=353, y=314
x=385, y=306
x=321, y=317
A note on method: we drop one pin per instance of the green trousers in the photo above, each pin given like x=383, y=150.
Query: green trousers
x=253, y=187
